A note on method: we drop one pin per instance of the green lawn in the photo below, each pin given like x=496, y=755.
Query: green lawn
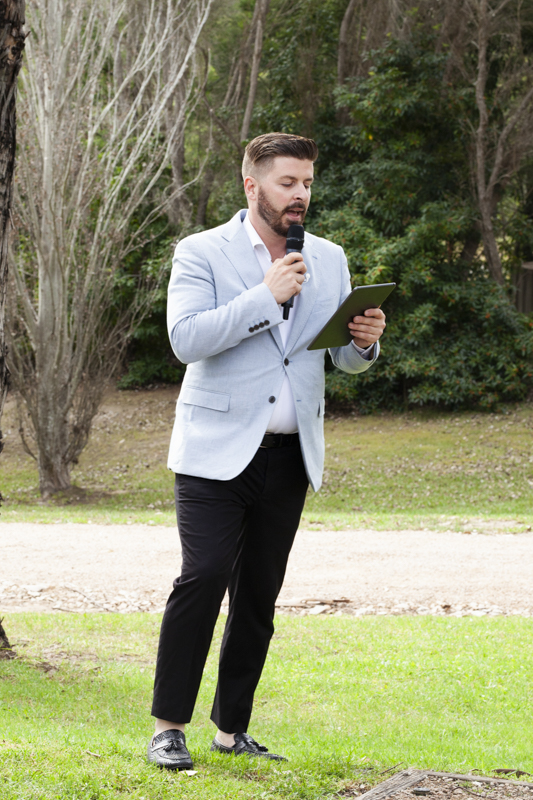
x=342, y=698
x=418, y=469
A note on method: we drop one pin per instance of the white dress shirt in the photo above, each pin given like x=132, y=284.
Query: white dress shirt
x=283, y=419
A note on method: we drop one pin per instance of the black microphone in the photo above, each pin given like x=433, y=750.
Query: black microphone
x=295, y=243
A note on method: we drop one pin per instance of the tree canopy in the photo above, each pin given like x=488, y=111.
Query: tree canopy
x=391, y=95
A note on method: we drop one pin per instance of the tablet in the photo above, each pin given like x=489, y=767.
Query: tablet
x=335, y=332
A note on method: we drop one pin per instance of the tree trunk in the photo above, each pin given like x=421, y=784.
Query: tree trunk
x=205, y=193
x=344, y=42
x=52, y=436
x=6, y=651
x=484, y=190
x=262, y=11
x=180, y=207
x=11, y=47
x=470, y=247
x=490, y=245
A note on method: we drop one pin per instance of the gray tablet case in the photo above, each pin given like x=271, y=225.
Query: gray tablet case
x=335, y=332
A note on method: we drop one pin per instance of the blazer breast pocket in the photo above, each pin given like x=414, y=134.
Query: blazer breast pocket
x=218, y=401
x=325, y=307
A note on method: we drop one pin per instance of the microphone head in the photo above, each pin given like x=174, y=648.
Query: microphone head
x=295, y=238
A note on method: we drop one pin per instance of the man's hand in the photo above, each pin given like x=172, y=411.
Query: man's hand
x=367, y=330
x=285, y=276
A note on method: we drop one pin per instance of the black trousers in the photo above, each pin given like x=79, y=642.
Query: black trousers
x=235, y=535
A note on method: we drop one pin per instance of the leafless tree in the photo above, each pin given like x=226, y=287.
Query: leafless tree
x=11, y=46
x=364, y=27
x=243, y=75
x=258, y=25
x=93, y=148
x=366, y=24
x=503, y=136
x=230, y=112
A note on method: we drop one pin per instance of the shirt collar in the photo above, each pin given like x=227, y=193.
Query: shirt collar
x=253, y=236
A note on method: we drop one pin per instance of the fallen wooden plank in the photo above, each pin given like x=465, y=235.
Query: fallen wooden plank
x=481, y=778
x=402, y=780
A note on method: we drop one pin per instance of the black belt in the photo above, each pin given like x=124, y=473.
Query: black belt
x=279, y=439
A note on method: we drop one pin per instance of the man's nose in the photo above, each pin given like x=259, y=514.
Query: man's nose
x=300, y=192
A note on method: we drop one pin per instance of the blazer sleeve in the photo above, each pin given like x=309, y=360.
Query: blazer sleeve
x=347, y=358
x=197, y=328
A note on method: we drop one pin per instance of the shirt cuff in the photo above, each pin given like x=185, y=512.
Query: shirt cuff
x=364, y=352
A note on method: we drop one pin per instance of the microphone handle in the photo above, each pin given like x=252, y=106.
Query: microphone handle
x=288, y=304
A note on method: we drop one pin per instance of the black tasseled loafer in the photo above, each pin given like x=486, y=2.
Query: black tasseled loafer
x=168, y=750
x=245, y=745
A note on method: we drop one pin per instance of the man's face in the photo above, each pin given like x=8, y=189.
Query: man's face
x=284, y=192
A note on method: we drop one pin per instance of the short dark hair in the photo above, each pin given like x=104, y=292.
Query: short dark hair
x=262, y=150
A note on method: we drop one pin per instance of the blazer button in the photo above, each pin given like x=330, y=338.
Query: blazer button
x=267, y=322
x=256, y=327
x=261, y=324
x=272, y=399
x=251, y=330
x=286, y=362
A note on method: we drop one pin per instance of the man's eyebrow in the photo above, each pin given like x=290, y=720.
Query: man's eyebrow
x=294, y=178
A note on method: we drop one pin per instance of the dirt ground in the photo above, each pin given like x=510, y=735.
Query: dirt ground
x=124, y=568
x=446, y=788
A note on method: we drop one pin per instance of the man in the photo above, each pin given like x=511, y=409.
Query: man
x=248, y=436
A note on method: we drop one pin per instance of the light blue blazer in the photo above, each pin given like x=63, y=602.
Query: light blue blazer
x=223, y=323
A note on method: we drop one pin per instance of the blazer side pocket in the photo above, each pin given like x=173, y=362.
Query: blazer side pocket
x=201, y=397
x=321, y=407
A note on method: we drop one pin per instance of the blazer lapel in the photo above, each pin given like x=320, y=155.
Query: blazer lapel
x=306, y=298
x=241, y=254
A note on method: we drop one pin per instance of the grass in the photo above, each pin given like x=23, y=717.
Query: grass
x=342, y=698
x=413, y=470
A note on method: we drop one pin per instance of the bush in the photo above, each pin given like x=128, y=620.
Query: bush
x=453, y=338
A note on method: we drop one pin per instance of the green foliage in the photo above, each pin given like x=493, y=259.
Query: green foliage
x=149, y=358
x=299, y=74
x=453, y=336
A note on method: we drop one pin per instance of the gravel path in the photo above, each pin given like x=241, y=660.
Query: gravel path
x=127, y=568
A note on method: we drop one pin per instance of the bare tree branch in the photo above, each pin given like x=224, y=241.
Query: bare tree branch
x=518, y=115
x=224, y=128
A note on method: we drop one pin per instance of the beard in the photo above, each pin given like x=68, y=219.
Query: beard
x=274, y=218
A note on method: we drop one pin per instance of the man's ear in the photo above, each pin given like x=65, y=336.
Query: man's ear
x=250, y=187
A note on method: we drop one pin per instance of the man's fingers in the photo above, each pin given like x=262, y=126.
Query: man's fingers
x=286, y=276
x=368, y=321
x=375, y=312
x=374, y=319
x=296, y=261
x=361, y=326
x=368, y=329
